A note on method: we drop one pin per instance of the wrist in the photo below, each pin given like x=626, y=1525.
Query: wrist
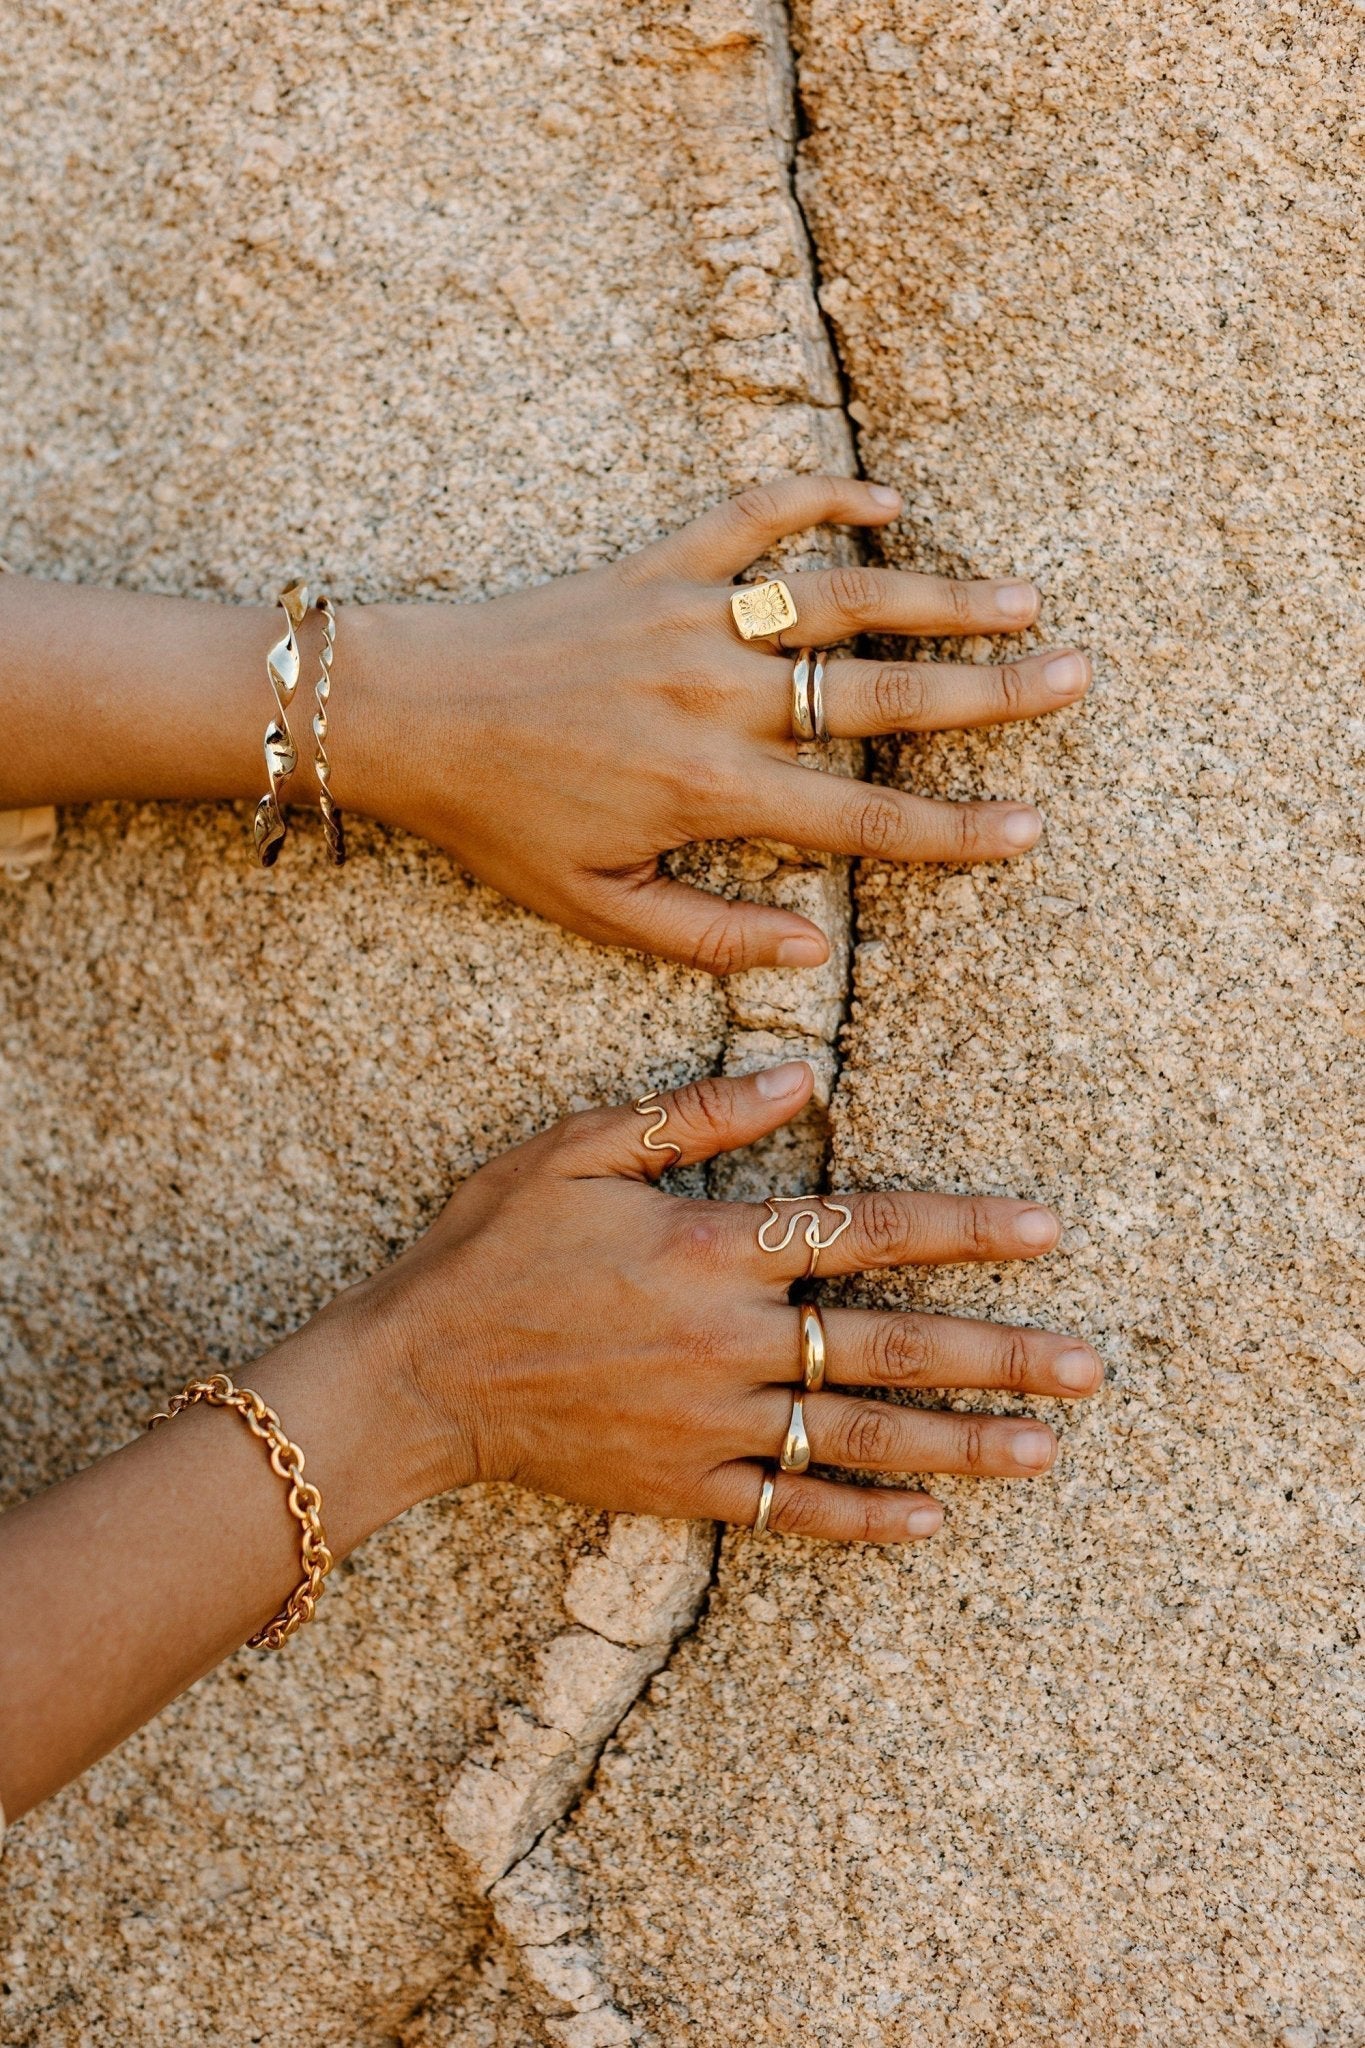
x=373, y=725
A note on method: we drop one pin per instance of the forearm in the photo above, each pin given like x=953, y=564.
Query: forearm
x=122, y=1586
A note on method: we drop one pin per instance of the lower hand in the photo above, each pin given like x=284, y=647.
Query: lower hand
x=570, y=1326
x=561, y=740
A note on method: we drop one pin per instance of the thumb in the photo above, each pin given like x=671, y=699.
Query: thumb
x=712, y=932
x=640, y=1141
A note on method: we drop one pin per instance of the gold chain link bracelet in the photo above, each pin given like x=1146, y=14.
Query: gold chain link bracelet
x=305, y=1502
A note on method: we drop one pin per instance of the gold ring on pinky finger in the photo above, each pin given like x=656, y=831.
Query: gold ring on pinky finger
x=796, y=1444
x=763, y=610
x=812, y=1348
x=765, y=1504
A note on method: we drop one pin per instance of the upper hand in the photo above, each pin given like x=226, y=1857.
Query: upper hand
x=570, y=1326
x=560, y=740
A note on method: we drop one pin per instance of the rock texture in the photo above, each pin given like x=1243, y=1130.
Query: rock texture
x=444, y=300
x=453, y=299
x=1087, y=1769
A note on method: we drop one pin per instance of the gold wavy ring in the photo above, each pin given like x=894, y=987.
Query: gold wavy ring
x=809, y=1207
x=765, y=1504
x=281, y=755
x=812, y=1348
x=796, y=1444
x=650, y=1105
x=322, y=767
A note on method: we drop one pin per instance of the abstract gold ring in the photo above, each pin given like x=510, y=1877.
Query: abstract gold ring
x=807, y=1208
x=812, y=1348
x=796, y=1444
x=765, y=1504
x=762, y=610
x=808, y=696
x=650, y=1105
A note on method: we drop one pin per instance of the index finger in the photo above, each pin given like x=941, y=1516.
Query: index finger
x=731, y=536
x=887, y=1227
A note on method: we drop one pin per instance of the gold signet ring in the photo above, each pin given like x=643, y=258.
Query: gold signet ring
x=812, y=1348
x=796, y=1445
x=762, y=610
x=765, y=1504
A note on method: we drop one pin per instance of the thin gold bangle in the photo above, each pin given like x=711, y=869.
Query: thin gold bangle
x=281, y=755
x=322, y=767
x=305, y=1502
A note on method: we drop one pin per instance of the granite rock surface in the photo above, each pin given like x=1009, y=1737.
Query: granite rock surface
x=1086, y=1770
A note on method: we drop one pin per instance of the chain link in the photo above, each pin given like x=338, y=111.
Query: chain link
x=305, y=1502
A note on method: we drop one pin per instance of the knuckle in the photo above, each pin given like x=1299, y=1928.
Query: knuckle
x=852, y=592
x=973, y=1446
x=881, y=1230
x=758, y=510
x=900, y=1354
x=867, y=1435
x=966, y=831
x=796, y=1511
x=880, y=828
x=979, y=1230
x=899, y=694
x=957, y=601
x=707, y=1104
x=719, y=947
x=867, y=1515
x=1014, y=1361
x=1013, y=693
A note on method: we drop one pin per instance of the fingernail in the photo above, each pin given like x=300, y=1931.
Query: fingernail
x=882, y=494
x=1078, y=1369
x=802, y=952
x=1066, y=675
x=924, y=1521
x=1037, y=1226
x=783, y=1080
x=1021, y=829
x=1032, y=1447
x=1016, y=601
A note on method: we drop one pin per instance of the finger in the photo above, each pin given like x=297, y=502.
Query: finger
x=867, y=697
x=868, y=1349
x=836, y=604
x=711, y=1115
x=840, y=816
x=731, y=536
x=803, y=1506
x=887, y=1228
x=715, y=933
x=875, y=1436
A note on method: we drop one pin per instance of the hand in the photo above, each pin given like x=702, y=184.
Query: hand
x=560, y=740
x=570, y=1326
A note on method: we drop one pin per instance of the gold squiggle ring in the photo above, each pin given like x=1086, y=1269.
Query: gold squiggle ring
x=650, y=1105
x=806, y=1208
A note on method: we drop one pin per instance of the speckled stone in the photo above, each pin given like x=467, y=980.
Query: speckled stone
x=1086, y=1770
x=442, y=300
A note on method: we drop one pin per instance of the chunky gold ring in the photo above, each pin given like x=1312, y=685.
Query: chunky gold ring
x=761, y=610
x=650, y=1105
x=796, y=1444
x=812, y=1348
x=809, y=1207
x=765, y=1504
